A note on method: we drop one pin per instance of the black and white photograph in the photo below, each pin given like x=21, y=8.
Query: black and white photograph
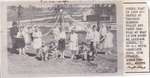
x=62, y=38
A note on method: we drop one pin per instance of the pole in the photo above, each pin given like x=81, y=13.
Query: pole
x=19, y=14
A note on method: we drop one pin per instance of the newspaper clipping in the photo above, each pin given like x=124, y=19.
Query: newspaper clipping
x=74, y=38
x=136, y=37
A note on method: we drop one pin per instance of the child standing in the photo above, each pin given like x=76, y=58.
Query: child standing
x=103, y=32
x=37, y=41
x=20, y=42
x=108, y=42
x=27, y=36
x=61, y=41
x=94, y=40
x=73, y=43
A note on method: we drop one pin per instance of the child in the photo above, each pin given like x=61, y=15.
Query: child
x=73, y=44
x=84, y=50
x=20, y=42
x=94, y=41
x=37, y=41
x=53, y=49
x=62, y=41
x=13, y=34
x=27, y=36
x=88, y=31
x=43, y=51
x=103, y=32
x=108, y=42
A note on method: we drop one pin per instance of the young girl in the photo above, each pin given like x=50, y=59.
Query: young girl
x=74, y=43
x=103, y=32
x=61, y=41
x=56, y=35
x=20, y=42
x=108, y=42
x=27, y=36
x=37, y=41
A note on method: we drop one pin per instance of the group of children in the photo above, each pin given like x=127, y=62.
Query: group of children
x=87, y=50
x=26, y=37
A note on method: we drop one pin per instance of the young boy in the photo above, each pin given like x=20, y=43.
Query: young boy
x=53, y=49
x=44, y=51
x=94, y=41
x=84, y=50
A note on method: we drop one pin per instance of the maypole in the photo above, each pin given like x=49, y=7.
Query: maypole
x=59, y=9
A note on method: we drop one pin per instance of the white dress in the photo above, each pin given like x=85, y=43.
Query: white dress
x=27, y=36
x=37, y=41
x=103, y=31
x=108, y=43
x=88, y=36
x=61, y=35
x=56, y=34
x=74, y=41
x=94, y=37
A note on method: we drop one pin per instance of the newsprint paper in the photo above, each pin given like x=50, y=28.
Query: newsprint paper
x=45, y=38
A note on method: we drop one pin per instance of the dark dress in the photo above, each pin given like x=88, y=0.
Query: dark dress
x=92, y=49
x=13, y=33
x=61, y=44
x=20, y=43
x=92, y=46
